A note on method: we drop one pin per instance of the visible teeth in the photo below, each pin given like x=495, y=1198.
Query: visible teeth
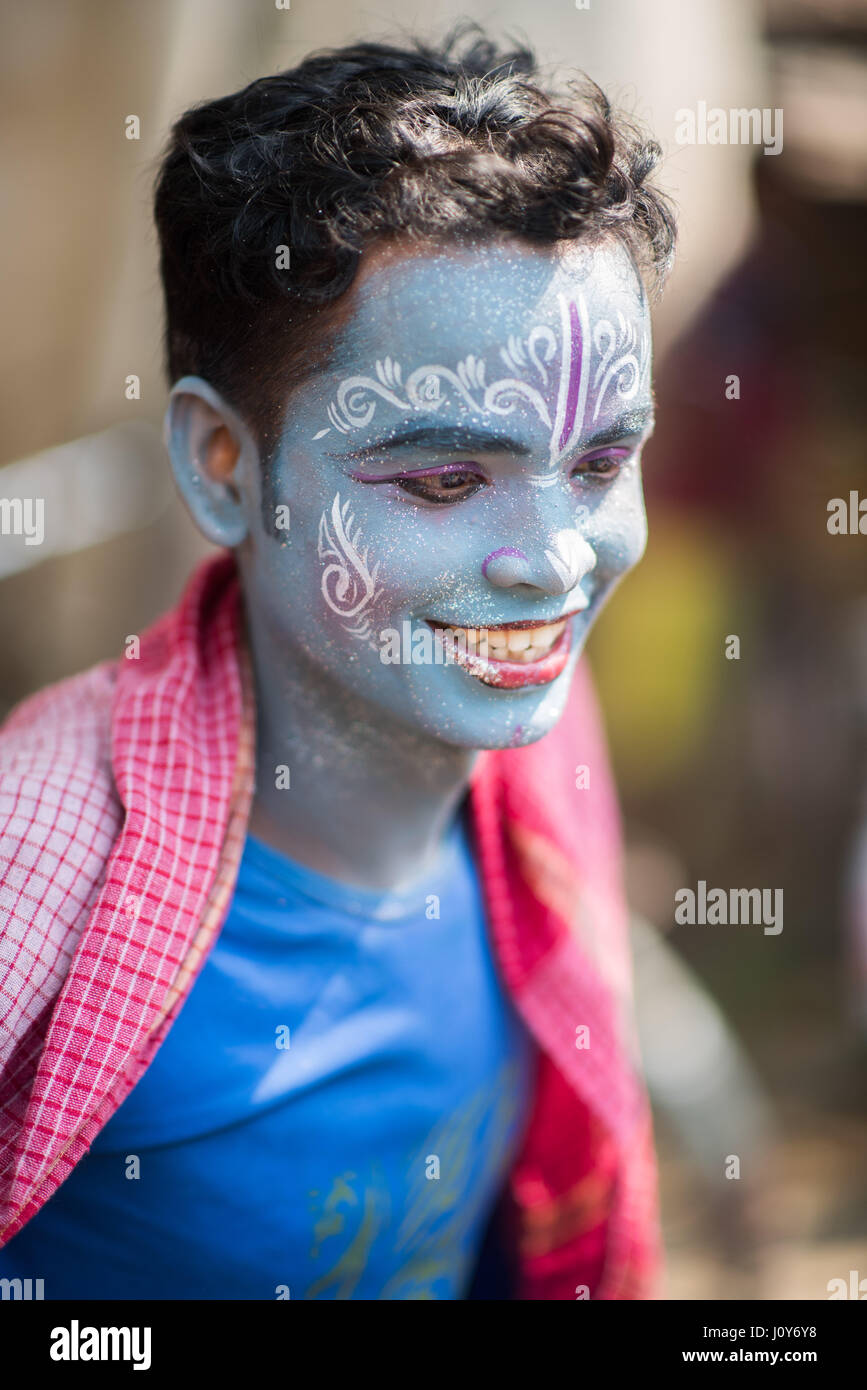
x=519, y=641
x=524, y=644
x=544, y=636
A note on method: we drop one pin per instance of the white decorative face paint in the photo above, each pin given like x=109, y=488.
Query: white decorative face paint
x=469, y=459
x=348, y=582
x=566, y=558
x=622, y=362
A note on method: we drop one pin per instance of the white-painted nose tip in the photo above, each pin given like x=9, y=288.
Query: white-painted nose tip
x=570, y=563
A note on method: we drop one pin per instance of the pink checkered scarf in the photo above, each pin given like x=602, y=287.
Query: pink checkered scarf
x=124, y=799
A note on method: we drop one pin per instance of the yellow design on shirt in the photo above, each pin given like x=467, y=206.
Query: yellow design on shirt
x=432, y=1239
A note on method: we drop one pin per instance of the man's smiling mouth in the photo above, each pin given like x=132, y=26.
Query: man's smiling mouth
x=510, y=655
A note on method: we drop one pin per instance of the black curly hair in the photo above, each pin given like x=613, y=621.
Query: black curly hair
x=368, y=142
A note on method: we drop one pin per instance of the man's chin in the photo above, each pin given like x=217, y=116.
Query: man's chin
x=516, y=725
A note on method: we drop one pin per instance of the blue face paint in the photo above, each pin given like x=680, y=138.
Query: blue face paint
x=470, y=459
x=462, y=491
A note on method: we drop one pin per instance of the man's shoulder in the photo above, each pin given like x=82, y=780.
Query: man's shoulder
x=58, y=740
x=58, y=801
x=59, y=818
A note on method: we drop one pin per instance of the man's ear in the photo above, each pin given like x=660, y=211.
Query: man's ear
x=210, y=449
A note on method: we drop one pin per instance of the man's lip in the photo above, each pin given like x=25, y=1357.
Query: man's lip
x=503, y=627
x=515, y=675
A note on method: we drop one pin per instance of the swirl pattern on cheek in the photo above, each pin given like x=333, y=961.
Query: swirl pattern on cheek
x=348, y=582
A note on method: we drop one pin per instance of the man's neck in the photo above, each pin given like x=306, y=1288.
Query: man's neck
x=368, y=800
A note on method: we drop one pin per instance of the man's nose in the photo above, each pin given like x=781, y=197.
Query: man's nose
x=554, y=566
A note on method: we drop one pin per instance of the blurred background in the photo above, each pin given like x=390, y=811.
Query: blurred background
x=748, y=772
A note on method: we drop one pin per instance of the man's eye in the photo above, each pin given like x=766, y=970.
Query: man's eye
x=454, y=486
x=601, y=466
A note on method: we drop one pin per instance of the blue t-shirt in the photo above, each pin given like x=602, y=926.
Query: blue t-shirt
x=331, y=1115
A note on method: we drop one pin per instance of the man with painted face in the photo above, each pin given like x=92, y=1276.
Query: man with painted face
x=316, y=973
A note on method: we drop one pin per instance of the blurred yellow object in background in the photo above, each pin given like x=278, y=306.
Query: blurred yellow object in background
x=659, y=656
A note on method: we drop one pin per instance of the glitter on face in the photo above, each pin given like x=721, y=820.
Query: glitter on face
x=416, y=473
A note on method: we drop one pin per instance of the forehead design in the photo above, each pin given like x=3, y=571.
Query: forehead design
x=565, y=376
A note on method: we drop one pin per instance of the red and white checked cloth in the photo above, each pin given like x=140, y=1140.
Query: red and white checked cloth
x=124, y=799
